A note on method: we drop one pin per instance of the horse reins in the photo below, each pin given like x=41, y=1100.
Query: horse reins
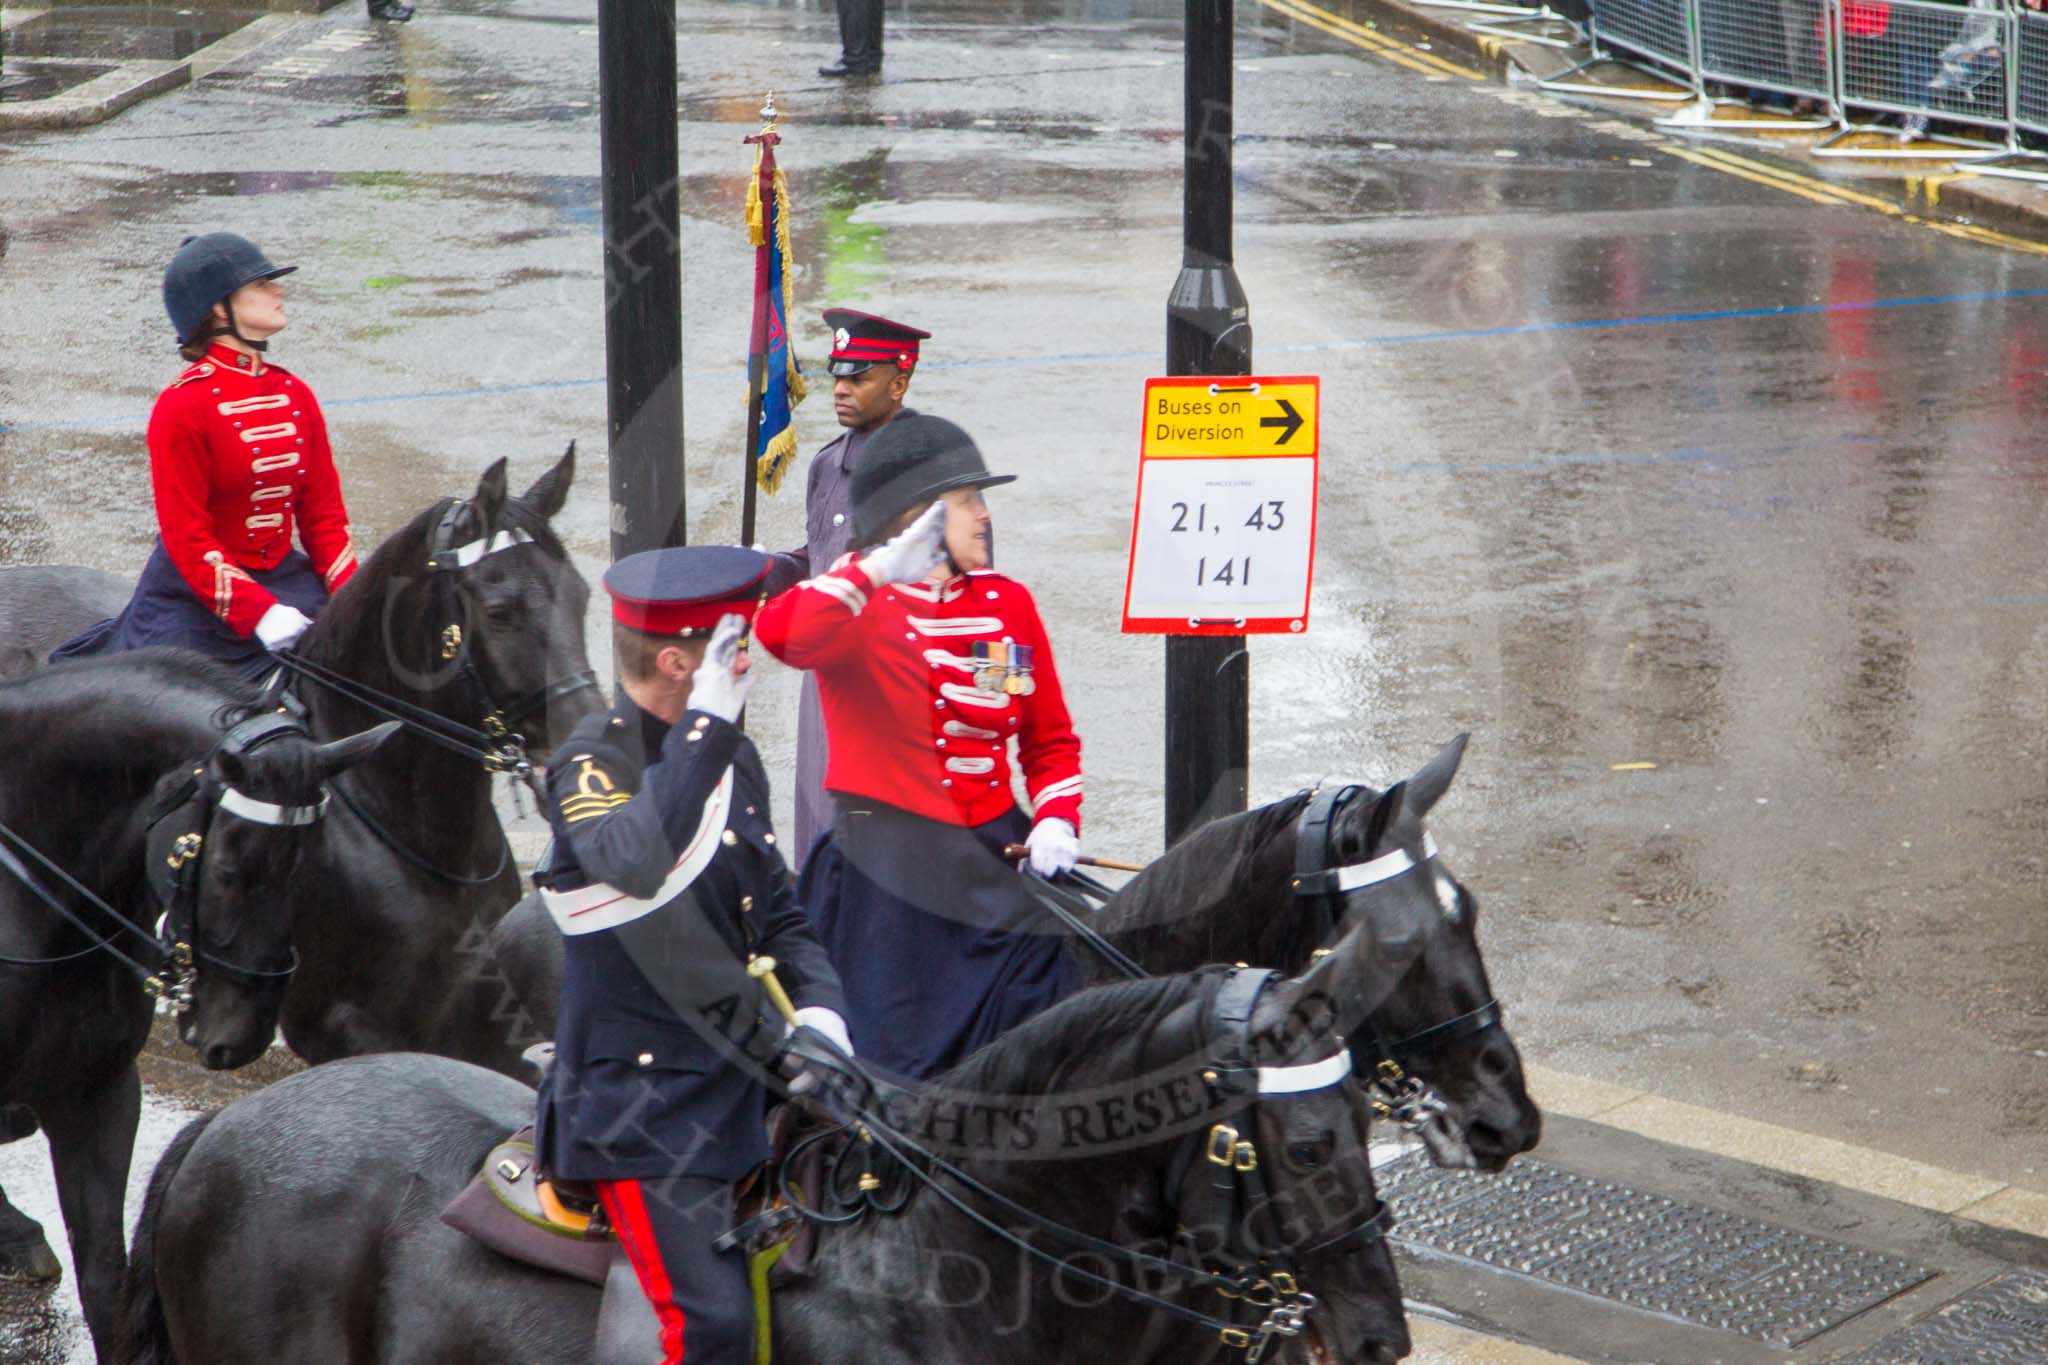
x=493, y=743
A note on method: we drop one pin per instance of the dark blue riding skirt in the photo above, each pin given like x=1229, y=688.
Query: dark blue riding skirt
x=938, y=945
x=164, y=611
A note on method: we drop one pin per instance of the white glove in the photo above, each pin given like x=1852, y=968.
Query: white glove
x=914, y=552
x=1055, y=847
x=832, y=1026
x=717, y=687
x=281, y=626
x=828, y=1023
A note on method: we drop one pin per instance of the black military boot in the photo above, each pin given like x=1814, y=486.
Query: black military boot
x=844, y=67
x=391, y=11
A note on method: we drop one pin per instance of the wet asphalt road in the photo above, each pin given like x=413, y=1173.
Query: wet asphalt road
x=1625, y=462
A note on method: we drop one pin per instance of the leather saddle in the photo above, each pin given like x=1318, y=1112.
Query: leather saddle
x=515, y=1209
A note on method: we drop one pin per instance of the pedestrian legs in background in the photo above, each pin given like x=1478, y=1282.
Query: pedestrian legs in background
x=860, y=39
x=391, y=11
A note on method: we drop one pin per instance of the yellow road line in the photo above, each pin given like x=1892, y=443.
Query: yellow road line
x=1689, y=154
x=1820, y=191
x=1829, y=187
x=1357, y=34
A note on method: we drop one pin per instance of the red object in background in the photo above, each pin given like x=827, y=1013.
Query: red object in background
x=1864, y=18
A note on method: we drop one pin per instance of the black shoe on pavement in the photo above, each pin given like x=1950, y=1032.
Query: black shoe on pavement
x=842, y=68
x=391, y=11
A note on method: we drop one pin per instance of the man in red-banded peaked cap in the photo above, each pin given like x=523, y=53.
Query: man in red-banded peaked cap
x=872, y=360
x=664, y=868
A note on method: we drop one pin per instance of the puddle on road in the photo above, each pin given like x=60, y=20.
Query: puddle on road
x=40, y=80
x=123, y=33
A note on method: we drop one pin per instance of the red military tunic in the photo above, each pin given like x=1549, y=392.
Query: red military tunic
x=237, y=454
x=908, y=727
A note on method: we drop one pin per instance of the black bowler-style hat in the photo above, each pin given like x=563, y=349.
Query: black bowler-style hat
x=860, y=340
x=911, y=462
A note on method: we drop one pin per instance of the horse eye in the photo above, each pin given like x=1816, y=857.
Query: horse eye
x=502, y=613
x=1306, y=1153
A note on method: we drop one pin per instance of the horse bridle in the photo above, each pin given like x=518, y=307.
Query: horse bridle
x=1237, y=1268
x=174, y=852
x=1327, y=885
x=445, y=558
x=492, y=741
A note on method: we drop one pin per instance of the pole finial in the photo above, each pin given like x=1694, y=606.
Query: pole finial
x=768, y=114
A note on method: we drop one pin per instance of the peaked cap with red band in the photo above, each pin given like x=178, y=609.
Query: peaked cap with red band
x=862, y=339
x=684, y=591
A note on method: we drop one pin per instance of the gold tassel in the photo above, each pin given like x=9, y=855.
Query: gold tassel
x=776, y=460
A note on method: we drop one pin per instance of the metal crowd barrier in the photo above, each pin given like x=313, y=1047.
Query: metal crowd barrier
x=1982, y=64
x=1923, y=60
x=1651, y=35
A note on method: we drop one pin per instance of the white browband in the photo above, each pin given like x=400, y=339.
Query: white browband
x=466, y=555
x=1384, y=868
x=1296, y=1080
x=263, y=813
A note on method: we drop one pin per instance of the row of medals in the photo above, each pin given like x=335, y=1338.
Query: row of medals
x=1008, y=672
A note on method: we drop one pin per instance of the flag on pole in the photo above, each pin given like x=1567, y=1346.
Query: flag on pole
x=774, y=377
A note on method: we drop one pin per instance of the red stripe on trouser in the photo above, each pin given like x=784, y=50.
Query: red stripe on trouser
x=627, y=1208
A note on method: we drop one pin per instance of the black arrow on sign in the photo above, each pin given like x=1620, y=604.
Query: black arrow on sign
x=1292, y=421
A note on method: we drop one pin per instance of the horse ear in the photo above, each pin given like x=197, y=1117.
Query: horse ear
x=1346, y=984
x=490, y=497
x=344, y=754
x=1427, y=787
x=551, y=490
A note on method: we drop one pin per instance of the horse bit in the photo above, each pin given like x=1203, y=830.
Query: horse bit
x=174, y=846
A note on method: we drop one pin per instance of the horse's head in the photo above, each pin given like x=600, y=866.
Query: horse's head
x=519, y=641
x=1441, y=1020
x=475, y=612
x=221, y=854
x=1211, y=1117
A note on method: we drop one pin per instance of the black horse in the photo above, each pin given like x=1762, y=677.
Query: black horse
x=415, y=870
x=43, y=605
x=336, y=1177
x=93, y=753
x=1227, y=893
x=471, y=614
x=411, y=870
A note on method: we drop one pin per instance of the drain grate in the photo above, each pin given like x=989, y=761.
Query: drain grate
x=2003, y=1321
x=1680, y=1260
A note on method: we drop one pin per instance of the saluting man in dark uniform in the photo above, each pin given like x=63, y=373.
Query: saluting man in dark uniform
x=872, y=361
x=666, y=877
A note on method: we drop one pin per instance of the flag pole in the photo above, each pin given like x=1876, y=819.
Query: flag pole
x=757, y=349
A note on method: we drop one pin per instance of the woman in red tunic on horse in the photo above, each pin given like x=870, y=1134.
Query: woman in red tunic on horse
x=930, y=664
x=238, y=459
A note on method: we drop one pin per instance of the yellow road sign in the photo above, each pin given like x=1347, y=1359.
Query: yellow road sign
x=1196, y=417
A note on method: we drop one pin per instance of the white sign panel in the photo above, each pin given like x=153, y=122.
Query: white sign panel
x=1222, y=545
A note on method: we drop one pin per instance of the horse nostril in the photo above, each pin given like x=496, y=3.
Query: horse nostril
x=219, y=1057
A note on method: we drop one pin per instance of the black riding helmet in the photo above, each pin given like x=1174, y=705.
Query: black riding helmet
x=204, y=272
x=909, y=463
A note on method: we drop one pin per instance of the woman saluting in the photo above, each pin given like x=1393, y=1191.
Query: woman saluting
x=929, y=664
x=238, y=457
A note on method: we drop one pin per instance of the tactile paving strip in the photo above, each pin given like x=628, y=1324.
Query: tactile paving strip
x=1660, y=1255
x=2000, y=1322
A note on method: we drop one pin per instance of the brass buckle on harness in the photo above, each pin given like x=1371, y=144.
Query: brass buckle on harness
x=1391, y=1072
x=1226, y=1150
x=494, y=726
x=184, y=849
x=1236, y=1338
x=451, y=641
